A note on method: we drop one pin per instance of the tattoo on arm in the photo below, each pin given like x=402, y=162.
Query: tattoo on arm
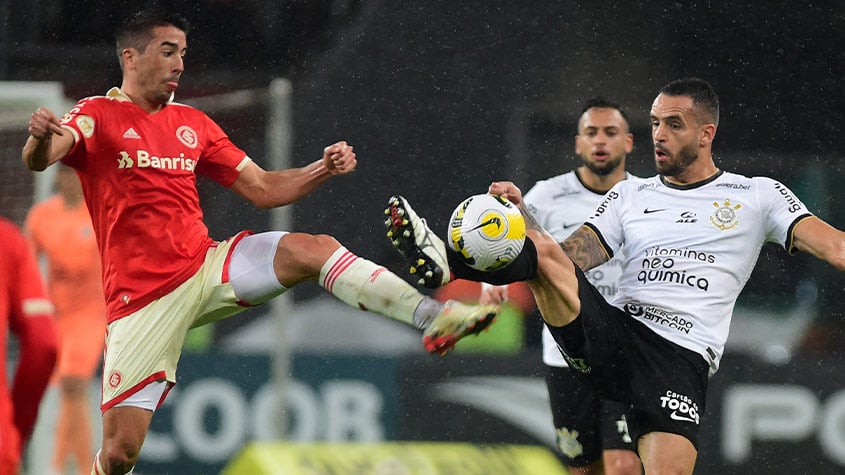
x=530, y=220
x=584, y=249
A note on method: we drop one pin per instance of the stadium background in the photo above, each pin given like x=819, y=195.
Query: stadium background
x=440, y=98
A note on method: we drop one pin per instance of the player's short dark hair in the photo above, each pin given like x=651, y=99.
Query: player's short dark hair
x=137, y=30
x=600, y=102
x=703, y=96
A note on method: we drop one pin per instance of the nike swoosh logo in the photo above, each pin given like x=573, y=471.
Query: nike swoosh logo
x=657, y=210
x=496, y=221
x=674, y=415
x=567, y=226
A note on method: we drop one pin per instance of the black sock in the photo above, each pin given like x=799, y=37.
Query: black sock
x=524, y=267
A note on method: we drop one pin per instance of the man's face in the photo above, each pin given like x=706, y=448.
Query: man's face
x=676, y=132
x=157, y=70
x=603, y=140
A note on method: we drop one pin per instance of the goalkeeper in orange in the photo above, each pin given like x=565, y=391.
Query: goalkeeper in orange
x=60, y=229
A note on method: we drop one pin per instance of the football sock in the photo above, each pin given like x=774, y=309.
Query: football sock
x=363, y=284
x=524, y=267
x=97, y=469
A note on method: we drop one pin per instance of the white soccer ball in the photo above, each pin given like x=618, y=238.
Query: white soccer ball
x=487, y=231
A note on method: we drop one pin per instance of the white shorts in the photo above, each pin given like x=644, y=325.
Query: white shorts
x=145, y=346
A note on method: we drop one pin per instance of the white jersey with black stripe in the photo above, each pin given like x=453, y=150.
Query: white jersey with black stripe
x=690, y=250
x=561, y=204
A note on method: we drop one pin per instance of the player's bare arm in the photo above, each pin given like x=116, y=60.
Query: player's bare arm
x=820, y=239
x=270, y=189
x=47, y=142
x=583, y=247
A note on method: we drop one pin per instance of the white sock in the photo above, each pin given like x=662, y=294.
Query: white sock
x=365, y=285
x=98, y=469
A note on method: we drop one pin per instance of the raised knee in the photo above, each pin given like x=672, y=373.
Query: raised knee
x=305, y=254
x=546, y=245
x=118, y=458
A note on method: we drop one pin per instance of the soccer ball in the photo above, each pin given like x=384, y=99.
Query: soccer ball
x=487, y=231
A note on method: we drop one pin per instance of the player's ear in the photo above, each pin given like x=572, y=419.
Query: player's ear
x=127, y=56
x=706, y=134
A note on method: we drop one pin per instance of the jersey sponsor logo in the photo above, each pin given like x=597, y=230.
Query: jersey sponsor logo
x=654, y=210
x=610, y=196
x=725, y=217
x=660, y=316
x=131, y=134
x=565, y=194
x=645, y=185
x=659, y=266
x=791, y=200
x=734, y=186
x=143, y=159
x=86, y=125
x=682, y=408
x=187, y=136
x=687, y=217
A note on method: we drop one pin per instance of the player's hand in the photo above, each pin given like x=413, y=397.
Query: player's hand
x=494, y=294
x=506, y=189
x=43, y=124
x=339, y=158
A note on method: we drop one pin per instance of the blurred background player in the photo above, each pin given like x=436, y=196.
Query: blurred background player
x=60, y=230
x=592, y=433
x=28, y=313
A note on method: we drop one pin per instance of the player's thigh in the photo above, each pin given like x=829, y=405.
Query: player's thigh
x=251, y=268
x=664, y=452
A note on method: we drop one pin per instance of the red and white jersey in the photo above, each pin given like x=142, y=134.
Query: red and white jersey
x=138, y=173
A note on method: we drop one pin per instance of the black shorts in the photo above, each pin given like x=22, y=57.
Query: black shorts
x=664, y=384
x=585, y=424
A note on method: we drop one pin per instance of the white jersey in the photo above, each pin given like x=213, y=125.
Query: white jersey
x=689, y=250
x=561, y=204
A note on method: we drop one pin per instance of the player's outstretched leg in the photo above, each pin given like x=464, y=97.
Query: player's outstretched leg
x=365, y=285
x=411, y=235
x=454, y=321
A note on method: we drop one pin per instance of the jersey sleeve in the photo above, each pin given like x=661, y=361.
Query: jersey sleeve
x=606, y=219
x=783, y=211
x=79, y=120
x=534, y=200
x=31, y=320
x=222, y=161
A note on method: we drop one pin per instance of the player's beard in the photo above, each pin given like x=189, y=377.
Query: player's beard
x=605, y=168
x=678, y=163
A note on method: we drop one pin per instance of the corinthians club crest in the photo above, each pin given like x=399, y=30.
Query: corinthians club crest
x=725, y=216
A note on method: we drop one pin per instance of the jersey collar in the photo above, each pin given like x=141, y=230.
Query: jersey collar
x=118, y=94
x=703, y=182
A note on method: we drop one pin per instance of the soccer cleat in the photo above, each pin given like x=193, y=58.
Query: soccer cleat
x=454, y=321
x=411, y=235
